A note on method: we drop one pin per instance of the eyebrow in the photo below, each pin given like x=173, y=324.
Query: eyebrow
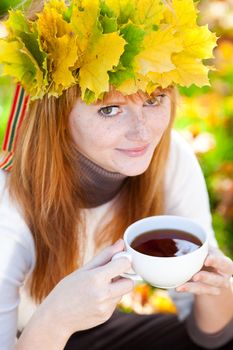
x=111, y=102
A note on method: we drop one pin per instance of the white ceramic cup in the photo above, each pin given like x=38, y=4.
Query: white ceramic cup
x=164, y=272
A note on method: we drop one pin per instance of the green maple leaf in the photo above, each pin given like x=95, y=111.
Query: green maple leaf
x=109, y=25
x=27, y=34
x=134, y=36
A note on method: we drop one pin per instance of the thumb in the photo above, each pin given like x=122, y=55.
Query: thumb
x=104, y=256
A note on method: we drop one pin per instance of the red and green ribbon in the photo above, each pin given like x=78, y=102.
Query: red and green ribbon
x=17, y=114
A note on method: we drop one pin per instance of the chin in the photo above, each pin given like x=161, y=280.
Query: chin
x=133, y=166
x=134, y=171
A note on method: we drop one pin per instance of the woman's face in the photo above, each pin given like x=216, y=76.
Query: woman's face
x=120, y=134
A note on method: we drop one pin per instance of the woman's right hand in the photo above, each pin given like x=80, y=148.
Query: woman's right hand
x=88, y=296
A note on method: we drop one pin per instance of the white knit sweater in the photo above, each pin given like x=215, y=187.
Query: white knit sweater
x=185, y=195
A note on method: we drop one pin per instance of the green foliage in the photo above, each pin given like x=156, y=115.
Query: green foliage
x=6, y=93
x=207, y=114
x=5, y=5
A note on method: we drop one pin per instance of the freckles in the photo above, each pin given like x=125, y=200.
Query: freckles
x=164, y=118
x=159, y=127
x=116, y=125
x=73, y=120
x=161, y=121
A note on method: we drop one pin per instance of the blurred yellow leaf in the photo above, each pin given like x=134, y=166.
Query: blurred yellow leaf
x=224, y=56
x=163, y=303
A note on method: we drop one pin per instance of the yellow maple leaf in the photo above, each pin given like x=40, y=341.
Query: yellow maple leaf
x=156, y=55
x=132, y=85
x=48, y=25
x=20, y=64
x=121, y=6
x=163, y=79
x=84, y=21
x=148, y=12
x=66, y=52
x=93, y=74
x=189, y=70
x=16, y=23
x=198, y=42
x=59, y=5
x=59, y=41
x=151, y=87
x=184, y=11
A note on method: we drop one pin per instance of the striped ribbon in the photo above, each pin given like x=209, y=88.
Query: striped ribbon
x=17, y=114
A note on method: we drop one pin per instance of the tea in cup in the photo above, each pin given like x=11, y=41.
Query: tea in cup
x=165, y=251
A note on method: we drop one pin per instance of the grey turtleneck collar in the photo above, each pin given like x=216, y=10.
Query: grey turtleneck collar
x=98, y=184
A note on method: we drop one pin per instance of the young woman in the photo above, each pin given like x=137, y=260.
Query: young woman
x=84, y=169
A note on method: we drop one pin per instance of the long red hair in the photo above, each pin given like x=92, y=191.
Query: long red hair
x=45, y=181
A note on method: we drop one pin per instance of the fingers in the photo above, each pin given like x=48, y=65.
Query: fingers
x=198, y=288
x=212, y=279
x=220, y=262
x=104, y=256
x=214, y=276
x=114, y=268
x=121, y=287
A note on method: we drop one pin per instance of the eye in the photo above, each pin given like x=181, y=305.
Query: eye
x=108, y=111
x=155, y=100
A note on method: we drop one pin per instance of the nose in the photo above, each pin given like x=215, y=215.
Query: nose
x=138, y=130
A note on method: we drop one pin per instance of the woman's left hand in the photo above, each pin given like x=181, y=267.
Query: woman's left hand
x=213, y=278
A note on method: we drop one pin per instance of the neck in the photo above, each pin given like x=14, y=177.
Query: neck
x=98, y=184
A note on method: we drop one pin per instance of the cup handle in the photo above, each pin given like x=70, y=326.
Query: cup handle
x=132, y=275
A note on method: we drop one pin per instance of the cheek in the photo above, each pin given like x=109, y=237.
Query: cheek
x=101, y=137
x=82, y=132
x=110, y=133
x=160, y=121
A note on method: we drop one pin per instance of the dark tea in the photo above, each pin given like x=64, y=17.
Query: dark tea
x=166, y=243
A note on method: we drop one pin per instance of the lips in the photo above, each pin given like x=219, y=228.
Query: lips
x=136, y=149
x=134, y=152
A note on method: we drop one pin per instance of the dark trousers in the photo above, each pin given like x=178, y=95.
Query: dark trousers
x=136, y=332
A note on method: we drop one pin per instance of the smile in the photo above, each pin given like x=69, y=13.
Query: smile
x=134, y=152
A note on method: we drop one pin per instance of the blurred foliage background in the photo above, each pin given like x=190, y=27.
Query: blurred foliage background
x=205, y=119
